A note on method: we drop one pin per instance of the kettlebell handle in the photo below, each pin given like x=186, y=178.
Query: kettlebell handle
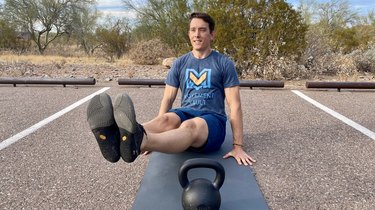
x=201, y=163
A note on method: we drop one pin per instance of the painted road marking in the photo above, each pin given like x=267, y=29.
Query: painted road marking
x=4, y=144
x=344, y=119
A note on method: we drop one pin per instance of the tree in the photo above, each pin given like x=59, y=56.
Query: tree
x=7, y=35
x=333, y=28
x=249, y=31
x=114, y=38
x=307, y=9
x=163, y=19
x=335, y=19
x=345, y=40
x=83, y=29
x=45, y=20
x=336, y=14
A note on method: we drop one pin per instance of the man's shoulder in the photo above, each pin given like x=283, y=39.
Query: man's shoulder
x=184, y=56
x=182, y=59
x=221, y=55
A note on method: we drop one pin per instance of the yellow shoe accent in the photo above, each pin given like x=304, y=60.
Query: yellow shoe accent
x=102, y=137
x=124, y=138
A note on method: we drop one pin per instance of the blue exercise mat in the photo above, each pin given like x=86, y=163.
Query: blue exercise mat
x=160, y=188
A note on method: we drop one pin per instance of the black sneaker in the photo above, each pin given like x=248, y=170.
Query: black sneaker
x=103, y=125
x=131, y=132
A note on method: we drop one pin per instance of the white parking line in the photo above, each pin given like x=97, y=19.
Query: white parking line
x=4, y=144
x=344, y=119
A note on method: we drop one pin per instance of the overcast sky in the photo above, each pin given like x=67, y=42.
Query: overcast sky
x=116, y=8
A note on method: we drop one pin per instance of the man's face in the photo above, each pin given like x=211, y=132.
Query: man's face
x=199, y=34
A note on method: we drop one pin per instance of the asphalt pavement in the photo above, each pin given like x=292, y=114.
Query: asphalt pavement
x=306, y=158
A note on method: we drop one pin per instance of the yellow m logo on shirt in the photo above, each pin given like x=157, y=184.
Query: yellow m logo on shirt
x=198, y=80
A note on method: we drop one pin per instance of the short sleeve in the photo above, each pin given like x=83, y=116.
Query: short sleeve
x=230, y=75
x=173, y=75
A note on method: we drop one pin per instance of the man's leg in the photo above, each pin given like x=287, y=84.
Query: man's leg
x=191, y=133
x=134, y=137
x=165, y=122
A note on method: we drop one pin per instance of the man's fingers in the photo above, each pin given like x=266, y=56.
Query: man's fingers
x=252, y=159
x=248, y=161
x=239, y=161
x=241, y=158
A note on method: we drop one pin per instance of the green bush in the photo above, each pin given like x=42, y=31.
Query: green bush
x=247, y=30
x=7, y=36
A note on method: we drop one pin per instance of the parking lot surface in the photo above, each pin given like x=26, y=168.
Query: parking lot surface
x=306, y=157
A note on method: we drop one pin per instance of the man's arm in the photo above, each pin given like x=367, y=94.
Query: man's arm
x=232, y=95
x=169, y=96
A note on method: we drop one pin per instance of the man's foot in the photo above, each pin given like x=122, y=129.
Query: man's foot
x=131, y=133
x=103, y=125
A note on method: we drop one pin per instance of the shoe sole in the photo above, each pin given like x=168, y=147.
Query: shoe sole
x=125, y=118
x=102, y=124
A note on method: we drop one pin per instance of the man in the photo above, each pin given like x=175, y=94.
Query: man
x=205, y=78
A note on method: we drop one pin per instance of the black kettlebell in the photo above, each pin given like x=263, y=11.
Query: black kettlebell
x=201, y=194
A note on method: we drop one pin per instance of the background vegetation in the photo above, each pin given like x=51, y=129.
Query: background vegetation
x=266, y=39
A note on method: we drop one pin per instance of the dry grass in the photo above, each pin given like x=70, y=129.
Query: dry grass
x=10, y=58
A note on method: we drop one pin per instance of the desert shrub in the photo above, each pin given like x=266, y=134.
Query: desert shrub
x=320, y=58
x=344, y=65
x=365, y=60
x=333, y=64
x=114, y=38
x=275, y=67
x=318, y=44
x=149, y=52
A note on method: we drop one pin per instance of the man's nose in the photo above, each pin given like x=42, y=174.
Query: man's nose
x=197, y=33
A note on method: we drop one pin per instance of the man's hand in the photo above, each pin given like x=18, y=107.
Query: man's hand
x=241, y=156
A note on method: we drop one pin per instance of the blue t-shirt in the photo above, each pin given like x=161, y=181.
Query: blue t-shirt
x=202, y=81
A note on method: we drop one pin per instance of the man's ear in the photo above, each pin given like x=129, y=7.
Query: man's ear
x=213, y=34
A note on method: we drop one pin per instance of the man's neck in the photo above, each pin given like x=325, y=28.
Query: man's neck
x=201, y=54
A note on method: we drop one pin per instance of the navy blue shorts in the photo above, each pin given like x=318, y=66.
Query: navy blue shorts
x=216, y=127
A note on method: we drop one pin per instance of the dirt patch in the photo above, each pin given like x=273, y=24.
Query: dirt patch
x=101, y=72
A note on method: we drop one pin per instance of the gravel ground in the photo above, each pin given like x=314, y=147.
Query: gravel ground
x=103, y=72
x=306, y=159
x=107, y=72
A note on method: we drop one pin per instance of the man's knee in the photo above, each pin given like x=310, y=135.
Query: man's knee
x=169, y=121
x=197, y=127
x=189, y=124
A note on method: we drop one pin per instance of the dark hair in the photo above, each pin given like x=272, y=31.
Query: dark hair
x=205, y=17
